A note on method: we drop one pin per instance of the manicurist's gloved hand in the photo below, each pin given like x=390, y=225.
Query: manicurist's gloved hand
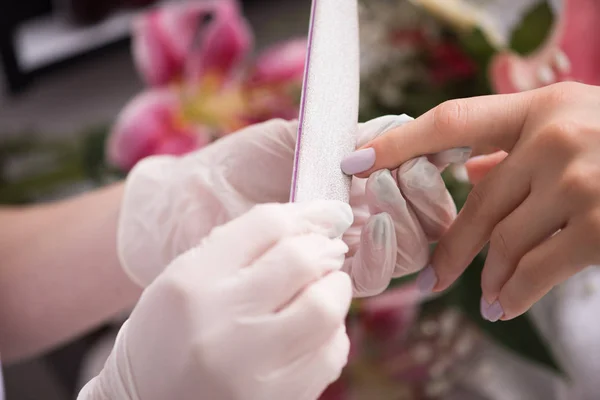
x=255, y=312
x=171, y=203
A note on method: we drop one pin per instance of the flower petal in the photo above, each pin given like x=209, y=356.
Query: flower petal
x=280, y=63
x=224, y=44
x=156, y=61
x=192, y=35
x=147, y=126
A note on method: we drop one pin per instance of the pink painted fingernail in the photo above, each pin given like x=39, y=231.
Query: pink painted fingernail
x=427, y=280
x=483, y=307
x=494, y=312
x=358, y=161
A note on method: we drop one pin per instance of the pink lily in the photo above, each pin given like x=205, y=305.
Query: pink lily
x=152, y=124
x=193, y=52
x=190, y=38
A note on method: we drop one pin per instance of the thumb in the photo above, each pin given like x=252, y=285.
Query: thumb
x=478, y=167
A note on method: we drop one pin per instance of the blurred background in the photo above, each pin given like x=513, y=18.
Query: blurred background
x=81, y=82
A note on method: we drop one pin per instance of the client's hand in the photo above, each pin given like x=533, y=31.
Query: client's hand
x=255, y=312
x=171, y=203
x=537, y=201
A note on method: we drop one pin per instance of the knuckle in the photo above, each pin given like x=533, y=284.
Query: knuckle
x=499, y=243
x=580, y=180
x=561, y=137
x=560, y=93
x=178, y=292
x=450, y=116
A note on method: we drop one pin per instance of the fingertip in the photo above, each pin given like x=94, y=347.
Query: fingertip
x=359, y=162
x=427, y=280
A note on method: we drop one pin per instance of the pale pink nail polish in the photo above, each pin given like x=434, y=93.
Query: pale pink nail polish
x=494, y=312
x=427, y=280
x=358, y=161
x=483, y=307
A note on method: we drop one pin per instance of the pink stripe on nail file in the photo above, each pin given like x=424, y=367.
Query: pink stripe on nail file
x=329, y=107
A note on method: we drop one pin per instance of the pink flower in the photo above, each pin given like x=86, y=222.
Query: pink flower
x=151, y=124
x=195, y=54
x=389, y=316
x=280, y=64
x=335, y=391
x=193, y=38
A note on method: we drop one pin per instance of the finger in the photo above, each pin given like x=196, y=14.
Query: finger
x=425, y=190
x=383, y=195
x=540, y=270
x=239, y=242
x=478, y=167
x=308, y=377
x=291, y=265
x=372, y=267
x=488, y=203
x=313, y=317
x=534, y=221
x=487, y=120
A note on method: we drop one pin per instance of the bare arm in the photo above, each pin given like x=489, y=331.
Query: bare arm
x=59, y=272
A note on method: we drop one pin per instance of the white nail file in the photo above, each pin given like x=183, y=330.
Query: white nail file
x=329, y=107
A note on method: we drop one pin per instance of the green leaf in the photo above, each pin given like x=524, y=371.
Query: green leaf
x=533, y=30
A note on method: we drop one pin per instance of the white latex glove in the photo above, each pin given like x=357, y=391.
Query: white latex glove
x=171, y=203
x=255, y=312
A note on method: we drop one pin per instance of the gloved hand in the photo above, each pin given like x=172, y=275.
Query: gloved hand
x=255, y=312
x=171, y=203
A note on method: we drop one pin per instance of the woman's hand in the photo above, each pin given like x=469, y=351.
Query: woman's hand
x=539, y=207
x=255, y=312
x=171, y=203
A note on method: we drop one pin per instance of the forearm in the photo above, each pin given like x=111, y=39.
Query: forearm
x=59, y=272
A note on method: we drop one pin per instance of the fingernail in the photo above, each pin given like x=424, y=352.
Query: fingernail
x=479, y=157
x=380, y=231
x=483, y=307
x=427, y=280
x=494, y=312
x=358, y=161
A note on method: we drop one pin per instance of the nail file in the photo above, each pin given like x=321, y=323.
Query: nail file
x=329, y=107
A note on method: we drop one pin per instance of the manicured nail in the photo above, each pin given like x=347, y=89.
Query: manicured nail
x=479, y=157
x=494, y=312
x=483, y=307
x=427, y=280
x=359, y=161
